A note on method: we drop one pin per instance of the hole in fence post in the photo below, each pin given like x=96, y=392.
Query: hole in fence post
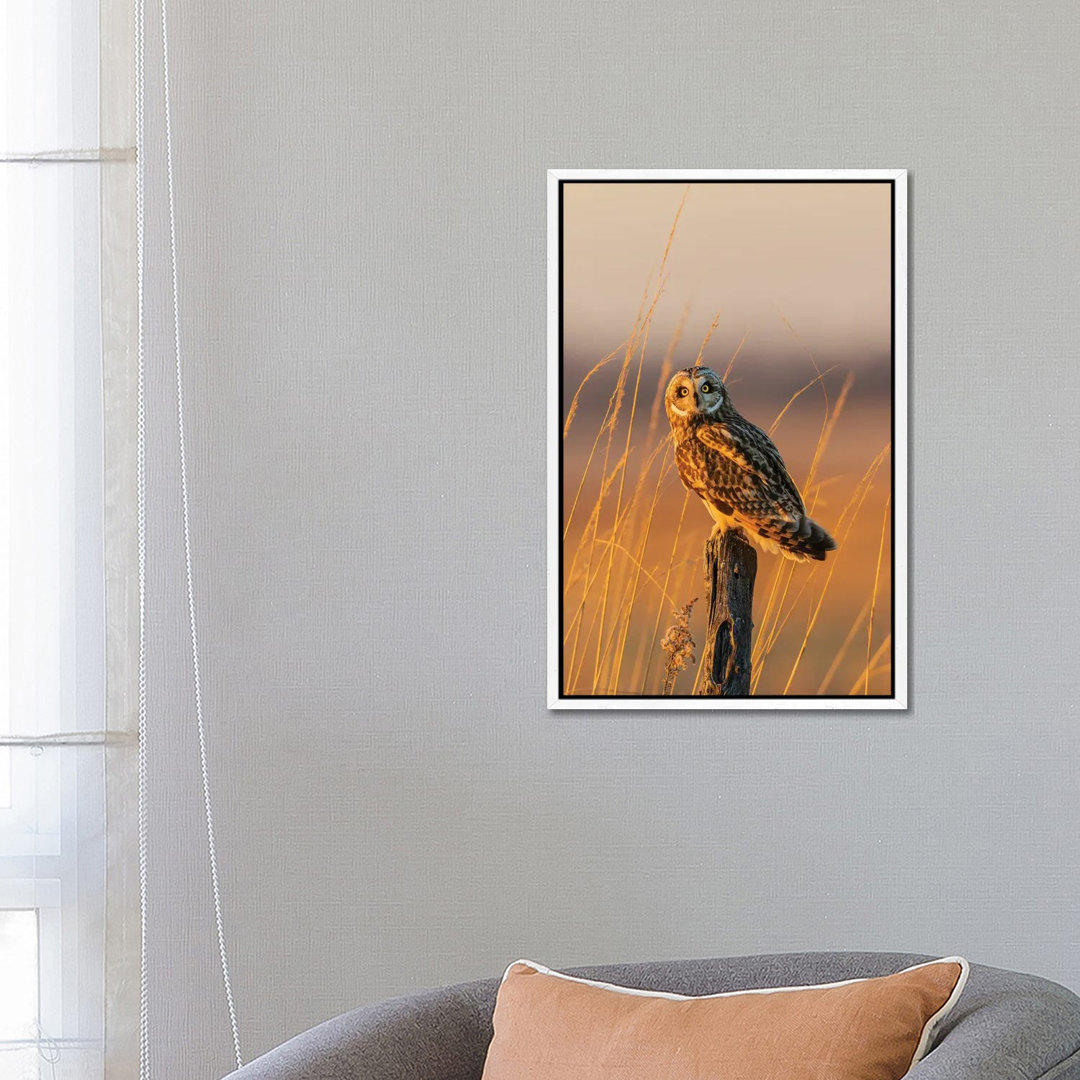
x=723, y=645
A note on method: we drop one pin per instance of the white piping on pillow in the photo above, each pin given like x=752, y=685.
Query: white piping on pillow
x=921, y=1050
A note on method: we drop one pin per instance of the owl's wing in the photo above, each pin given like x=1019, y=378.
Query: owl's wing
x=748, y=447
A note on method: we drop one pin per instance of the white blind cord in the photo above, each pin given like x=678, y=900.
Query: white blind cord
x=140, y=454
x=140, y=213
x=197, y=680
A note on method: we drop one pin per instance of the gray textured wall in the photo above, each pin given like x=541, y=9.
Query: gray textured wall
x=361, y=208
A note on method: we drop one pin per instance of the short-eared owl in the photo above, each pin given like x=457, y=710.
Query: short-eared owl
x=735, y=468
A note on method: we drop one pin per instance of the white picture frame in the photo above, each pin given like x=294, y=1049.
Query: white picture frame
x=558, y=695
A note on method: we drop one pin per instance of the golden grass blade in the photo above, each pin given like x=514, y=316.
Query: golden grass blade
x=735, y=356
x=873, y=602
x=783, y=618
x=794, y=397
x=647, y=528
x=866, y=484
x=842, y=651
x=617, y=530
x=827, y=430
x=667, y=580
x=644, y=334
x=626, y=519
x=705, y=341
x=609, y=651
x=683, y=586
x=781, y=571
x=824, y=388
x=622, y=480
x=572, y=411
x=666, y=366
x=769, y=636
x=594, y=514
x=634, y=561
x=828, y=423
x=594, y=519
x=674, y=226
x=778, y=614
x=770, y=630
x=591, y=579
x=887, y=643
x=862, y=489
x=635, y=582
x=780, y=619
x=588, y=465
x=610, y=418
x=617, y=399
x=763, y=629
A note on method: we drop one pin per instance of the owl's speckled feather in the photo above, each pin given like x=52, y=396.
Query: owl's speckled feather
x=736, y=469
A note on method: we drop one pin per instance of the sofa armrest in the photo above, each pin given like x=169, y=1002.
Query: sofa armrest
x=440, y=1034
x=1007, y=1026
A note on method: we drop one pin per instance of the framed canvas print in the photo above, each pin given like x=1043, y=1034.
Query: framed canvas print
x=727, y=498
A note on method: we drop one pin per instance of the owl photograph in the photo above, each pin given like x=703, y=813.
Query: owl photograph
x=727, y=455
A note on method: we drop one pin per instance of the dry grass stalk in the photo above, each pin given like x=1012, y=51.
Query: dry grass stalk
x=735, y=356
x=644, y=335
x=572, y=412
x=679, y=645
x=868, y=483
x=643, y=648
x=873, y=598
x=880, y=651
x=845, y=644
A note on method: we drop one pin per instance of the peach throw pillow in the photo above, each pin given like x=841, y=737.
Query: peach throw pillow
x=550, y=1026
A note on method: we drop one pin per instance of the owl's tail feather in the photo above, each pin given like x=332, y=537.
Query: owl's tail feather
x=805, y=539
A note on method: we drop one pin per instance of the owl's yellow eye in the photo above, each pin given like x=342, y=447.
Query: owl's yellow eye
x=683, y=391
x=706, y=388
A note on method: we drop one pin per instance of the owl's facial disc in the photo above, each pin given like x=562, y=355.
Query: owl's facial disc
x=681, y=395
x=694, y=390
x=709, y=390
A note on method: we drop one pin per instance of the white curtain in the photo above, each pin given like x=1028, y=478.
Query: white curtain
x=63, y=201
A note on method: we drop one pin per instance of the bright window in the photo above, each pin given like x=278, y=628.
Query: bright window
x=18, y=991
x=52, y=878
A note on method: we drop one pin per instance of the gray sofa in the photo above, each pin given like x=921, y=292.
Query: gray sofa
x=1006, y=1026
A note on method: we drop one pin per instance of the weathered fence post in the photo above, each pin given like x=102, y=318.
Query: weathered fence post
x=730, y=569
